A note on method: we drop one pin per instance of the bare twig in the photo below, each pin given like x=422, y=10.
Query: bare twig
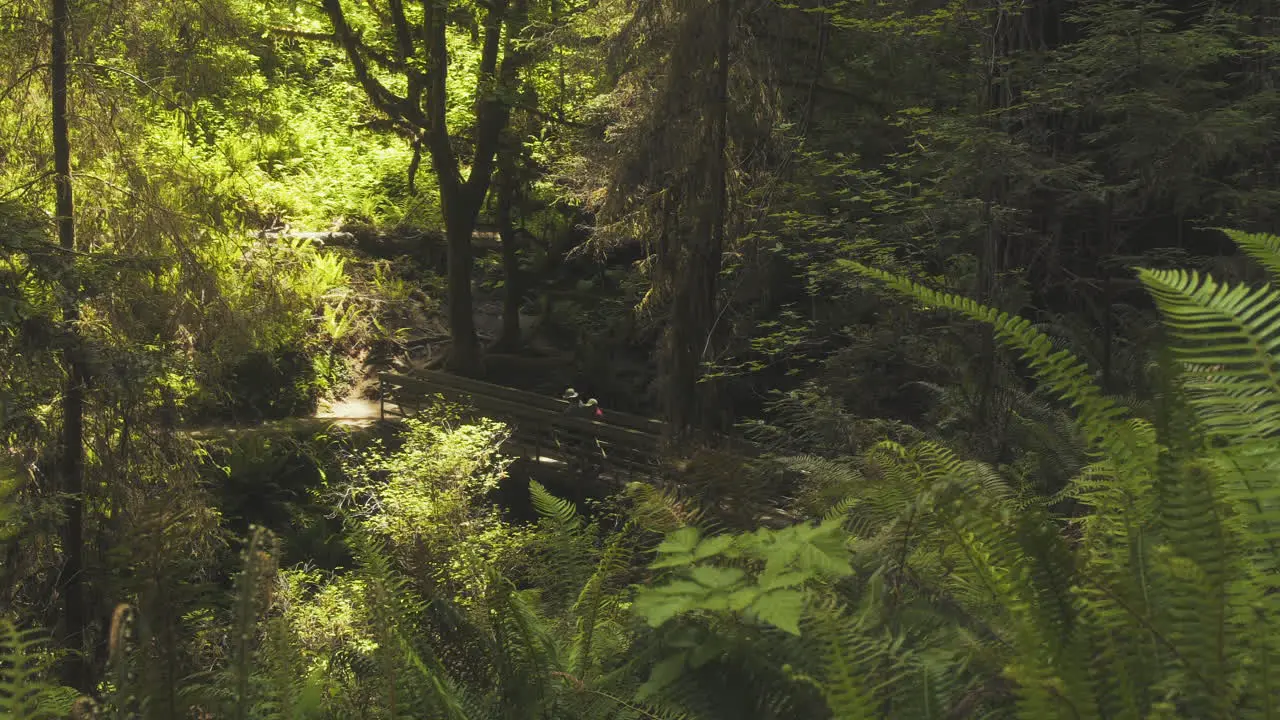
x=155, y=91
x=22, y=78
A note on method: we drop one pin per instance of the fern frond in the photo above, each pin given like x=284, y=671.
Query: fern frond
x=523, y=652
x=250, y=600
x=662, y=510
x=842, y=507
x=1228, y=340
x=825, y=483
x=1263, y=248
x=850, y=660
x=25, y=693
x=1100, y=417
x=561, y=513
x=292, y=691
x=595, y=603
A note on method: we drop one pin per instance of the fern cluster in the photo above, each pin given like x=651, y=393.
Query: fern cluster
x=26, y=692
x=1152, y=595
x=1163, y=605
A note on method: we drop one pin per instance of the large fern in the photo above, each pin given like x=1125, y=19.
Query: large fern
x=1262, y=247
x=414, y=680
x=26, y=692
x=1228, y=341
x=1102, y=420
x=1177, y=559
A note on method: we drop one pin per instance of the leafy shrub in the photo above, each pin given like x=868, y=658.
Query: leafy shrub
x=931, y=586
x=429, y=500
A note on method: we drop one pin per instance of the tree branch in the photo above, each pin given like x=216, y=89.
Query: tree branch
x=305, y=35
x=493, y=110
x=380, y=59
x=404, y=41
x=434, y=98
x=379, y=95
x=22, y=78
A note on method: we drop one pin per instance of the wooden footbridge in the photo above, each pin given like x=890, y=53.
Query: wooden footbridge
x=618, y=444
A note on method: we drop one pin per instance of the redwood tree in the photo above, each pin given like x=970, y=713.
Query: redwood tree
x=70, y=584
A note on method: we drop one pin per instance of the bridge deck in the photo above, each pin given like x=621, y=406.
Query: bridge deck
x=619, y=444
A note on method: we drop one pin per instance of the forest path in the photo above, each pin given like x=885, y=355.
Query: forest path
x=355, y=408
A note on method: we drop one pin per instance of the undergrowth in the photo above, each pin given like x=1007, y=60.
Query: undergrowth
x=916, y=583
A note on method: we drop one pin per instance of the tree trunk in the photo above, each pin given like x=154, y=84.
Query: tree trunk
x=512, y=336
x=712, y=412
x=423, y=110
x=459, y=223
x=513, y=282
x=1108, y=292
x=691, y=405
x=509, y=156
x=75, y=671
x=819, y=56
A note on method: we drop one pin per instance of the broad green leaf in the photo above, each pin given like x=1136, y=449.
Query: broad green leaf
x=712, y=546
x=715, y=577
x=780, y=608
x=683, y=540
x=656, y=609
x=675, y=560
x=739, y=600
x=662, y=675
x=783, y=580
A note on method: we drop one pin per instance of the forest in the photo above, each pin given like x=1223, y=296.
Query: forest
x=639, y=359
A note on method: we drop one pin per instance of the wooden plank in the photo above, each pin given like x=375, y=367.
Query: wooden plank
x=584, y=444
x=580, y=444
x=520, y=407
x=526, y=412
x=613, y=417
x=589, y=451
x=524, y=448
x=555, y=405
x=578, y=427
x=529, y=439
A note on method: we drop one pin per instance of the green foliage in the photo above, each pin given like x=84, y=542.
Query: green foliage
x=1115, y=559
x=26, y=693
x=428, y=499
x=251, y=584
x=1100, y=416
x=559, y=512
x=771, y=591
x=1225, y=339
x=932, y=586
x=1169, y=580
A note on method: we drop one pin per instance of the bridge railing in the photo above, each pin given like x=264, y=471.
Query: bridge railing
x=540, y=427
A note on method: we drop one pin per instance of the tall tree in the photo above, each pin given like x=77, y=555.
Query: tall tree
x=72, y=451
x=508, y=184
x=511, y=182
x=695, y=268
x=418, y=52
x=671, y=183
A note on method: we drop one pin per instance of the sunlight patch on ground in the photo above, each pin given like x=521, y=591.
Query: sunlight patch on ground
x=351, y=410
x=355, y=408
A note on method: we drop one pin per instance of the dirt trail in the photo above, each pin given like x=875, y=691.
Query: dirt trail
x=355, y=408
